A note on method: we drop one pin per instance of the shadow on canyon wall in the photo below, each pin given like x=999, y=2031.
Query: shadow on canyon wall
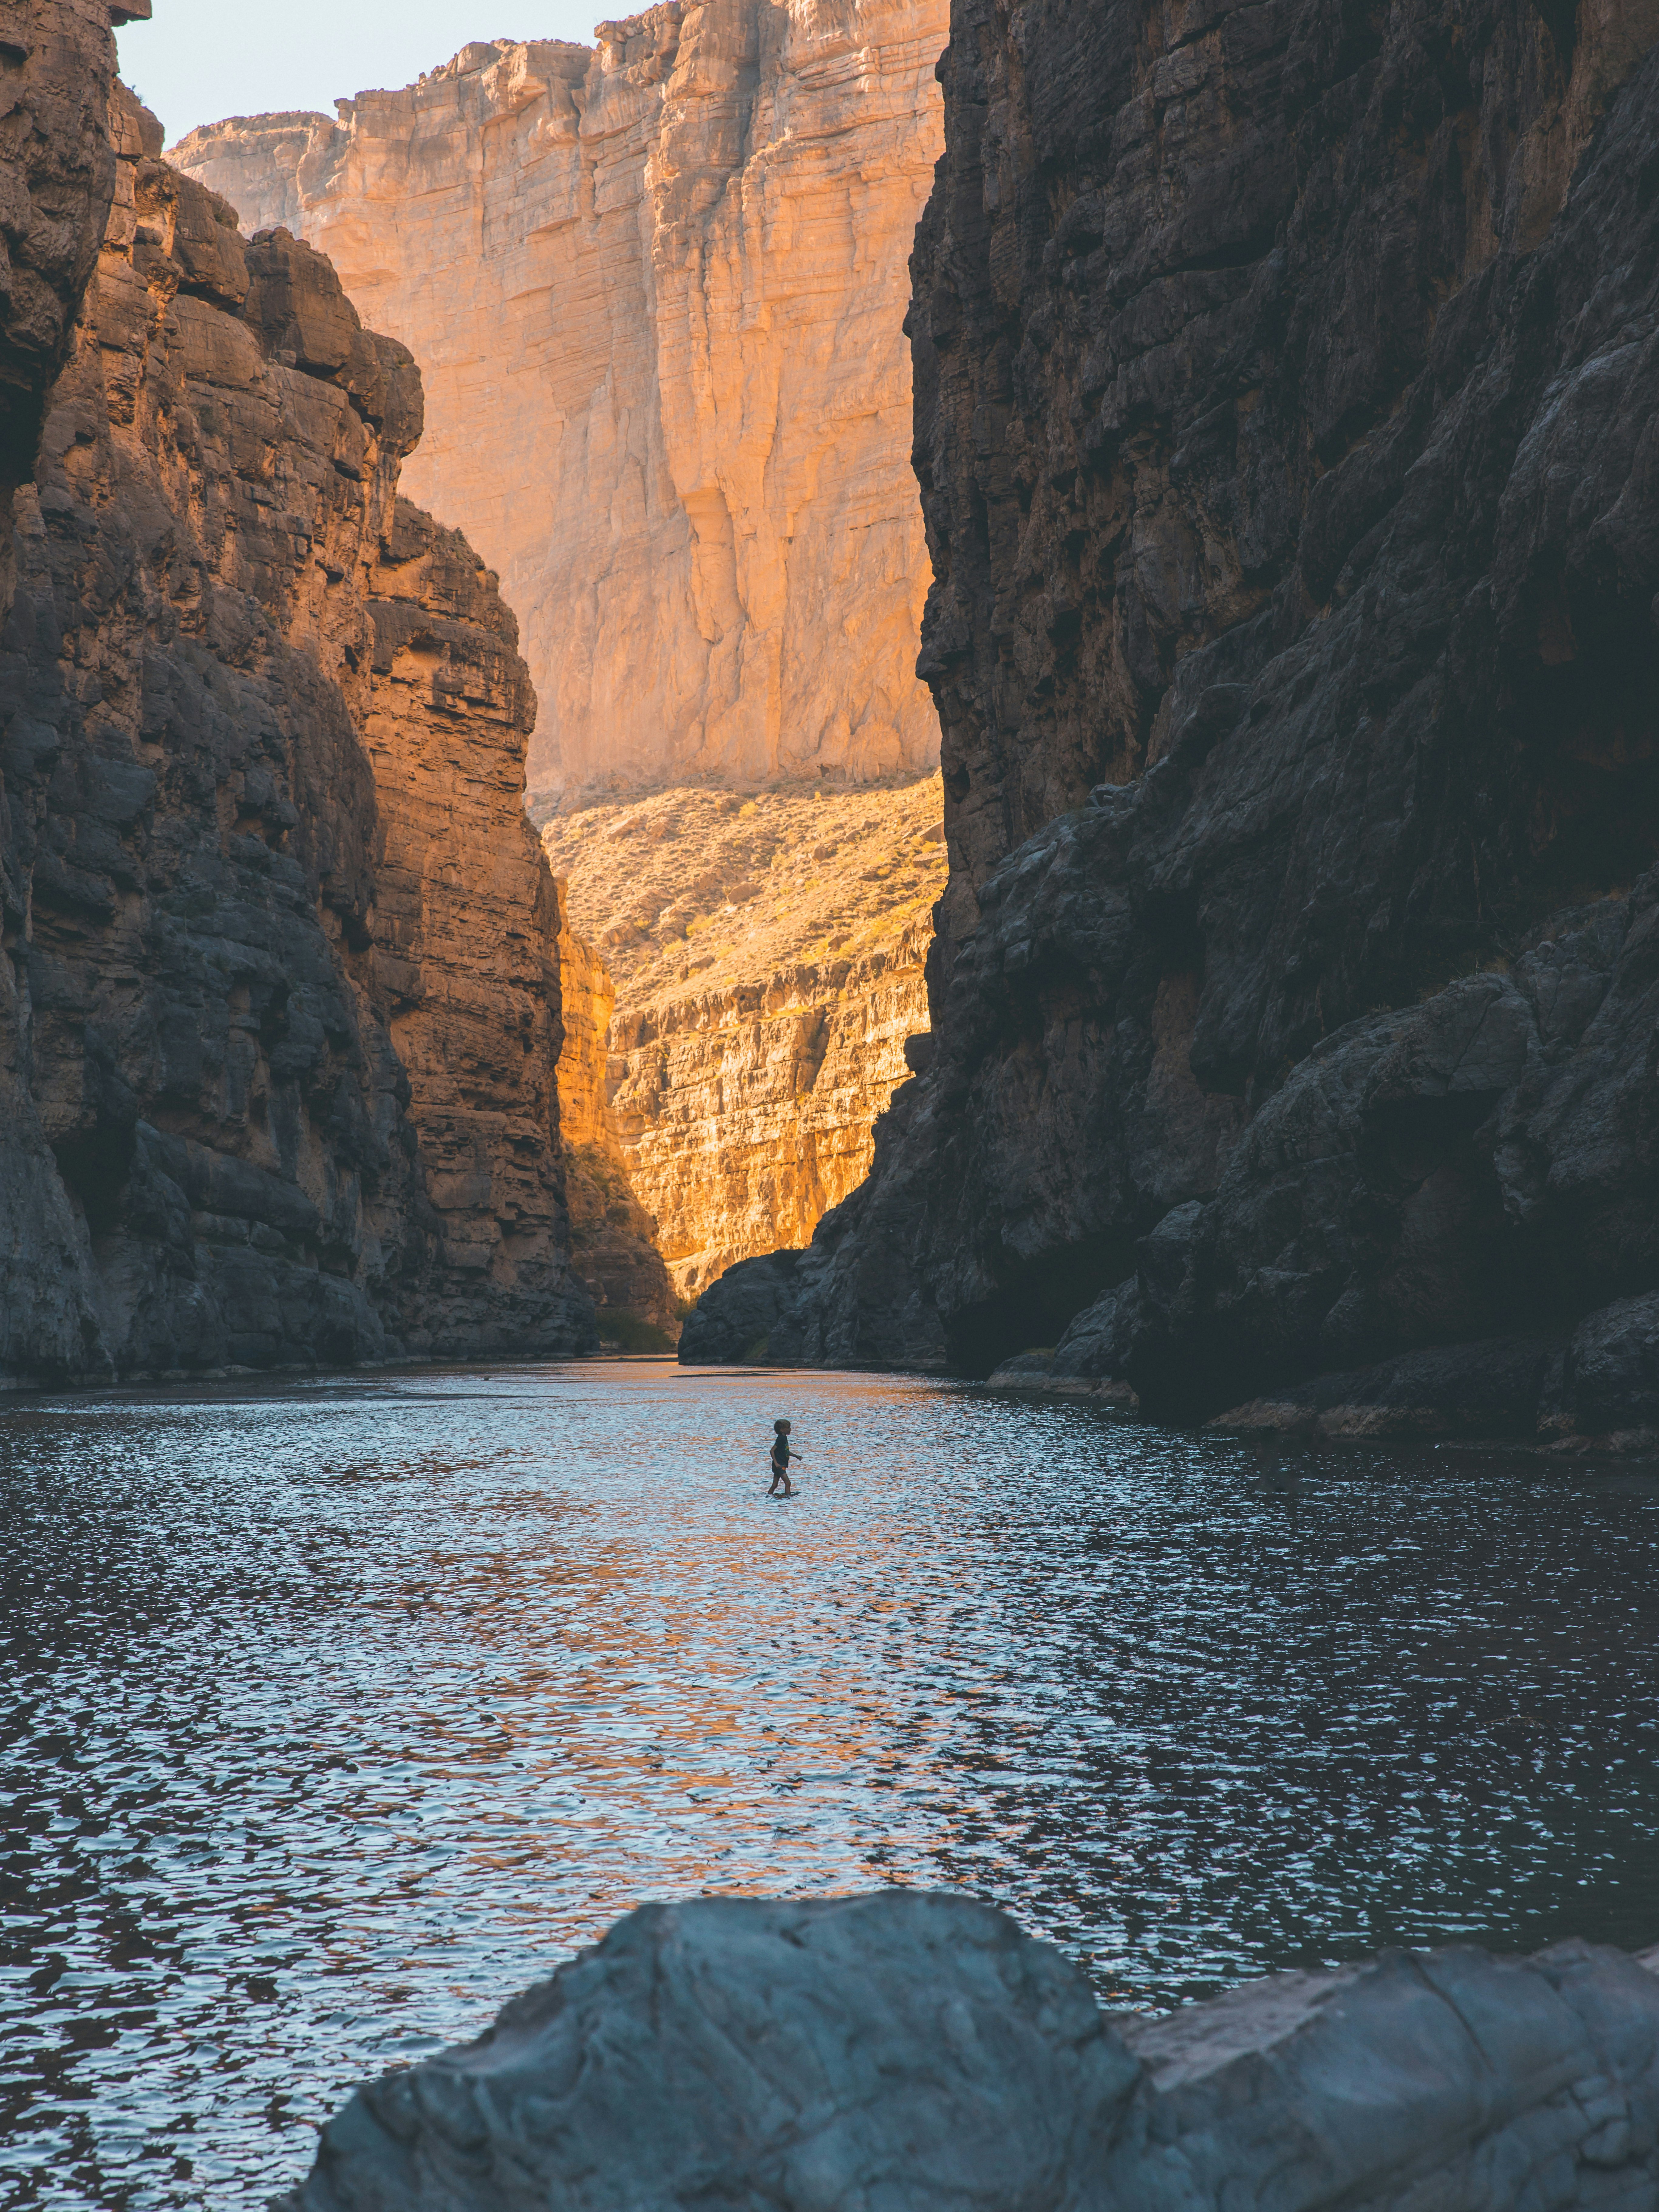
x=1285, y=385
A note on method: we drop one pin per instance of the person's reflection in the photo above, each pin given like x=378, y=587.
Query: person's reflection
x=1278, y=1458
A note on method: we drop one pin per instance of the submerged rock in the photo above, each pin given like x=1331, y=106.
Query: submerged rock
x=908, y=2053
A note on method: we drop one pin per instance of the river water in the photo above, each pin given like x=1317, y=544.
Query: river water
x=332, y=1715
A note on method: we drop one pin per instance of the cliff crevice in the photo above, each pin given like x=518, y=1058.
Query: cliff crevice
x=614, y=1247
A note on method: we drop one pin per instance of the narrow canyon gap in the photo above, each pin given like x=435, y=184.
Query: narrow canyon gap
x=657, y=291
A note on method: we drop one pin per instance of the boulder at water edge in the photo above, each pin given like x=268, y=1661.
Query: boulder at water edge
x=907, y=2052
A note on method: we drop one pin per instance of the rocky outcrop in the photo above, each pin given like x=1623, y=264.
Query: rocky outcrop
x=612, y=1238
x=1284, y=391
x=770, y=959
x=465, y=962
x=278, y=1007
x=657, y=290
x=912, y=2049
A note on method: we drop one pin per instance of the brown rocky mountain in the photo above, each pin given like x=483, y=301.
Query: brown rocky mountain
x=280, y=1008
x=60, y=172
x=1285, y=380
x=657, y=291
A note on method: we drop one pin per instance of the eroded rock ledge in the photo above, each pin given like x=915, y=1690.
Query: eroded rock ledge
x=917, y=2051
x=279, y=997
x=1285, y=392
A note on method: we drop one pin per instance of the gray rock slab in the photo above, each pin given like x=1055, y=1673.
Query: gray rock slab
x=915, y=2052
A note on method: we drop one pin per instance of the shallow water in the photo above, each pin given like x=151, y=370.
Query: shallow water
x=332, y=1715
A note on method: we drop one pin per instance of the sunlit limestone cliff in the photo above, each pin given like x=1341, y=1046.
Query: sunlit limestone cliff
x=613, y=1238
x=769, y=955
x=279, y=998
x=657, y=291
x=1286, y=390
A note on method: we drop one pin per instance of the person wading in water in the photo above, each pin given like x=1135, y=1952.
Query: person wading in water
x=780, y=1458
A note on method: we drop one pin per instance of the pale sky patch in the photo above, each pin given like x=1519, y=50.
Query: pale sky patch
x=201, y=60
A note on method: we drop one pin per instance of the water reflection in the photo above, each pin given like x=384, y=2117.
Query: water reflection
x=330, y=1715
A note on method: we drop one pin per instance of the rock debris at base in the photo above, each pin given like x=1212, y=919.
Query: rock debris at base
x=914, y=2053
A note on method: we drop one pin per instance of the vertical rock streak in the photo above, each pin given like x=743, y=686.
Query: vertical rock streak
x=281, y=1006
x=657, y=290
x=614, y=1239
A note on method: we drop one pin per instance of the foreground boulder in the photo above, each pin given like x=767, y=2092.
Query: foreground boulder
x=907, y=2052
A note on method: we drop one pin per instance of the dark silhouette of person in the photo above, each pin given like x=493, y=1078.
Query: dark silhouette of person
x=782, y=1455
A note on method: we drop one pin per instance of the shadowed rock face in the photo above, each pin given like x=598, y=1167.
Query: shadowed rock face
x=278, y=1003
x=1285, y=385
x=916, y=2051
x=57, y=65
x=613, y=1238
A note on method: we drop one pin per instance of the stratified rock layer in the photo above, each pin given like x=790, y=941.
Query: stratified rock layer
x=656, y=292
x=278, y=1008
x=919, y=2051
x=1286, y=392
x=769, y=955
x=746, y=1112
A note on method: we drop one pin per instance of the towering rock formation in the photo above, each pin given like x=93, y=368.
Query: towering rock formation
x=1285, y=386
x=278, y=1003
x=656, y=292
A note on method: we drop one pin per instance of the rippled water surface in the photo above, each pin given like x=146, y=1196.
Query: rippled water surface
x=329, y=1715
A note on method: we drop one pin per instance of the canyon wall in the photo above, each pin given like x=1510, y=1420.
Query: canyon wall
x=613, y=1240
x=278, y=1007
x=657, y=291
x=746, y=1112
x=1285, y=383
x=770, y=959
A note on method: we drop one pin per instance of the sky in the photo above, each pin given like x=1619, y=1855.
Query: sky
x=203, y=60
